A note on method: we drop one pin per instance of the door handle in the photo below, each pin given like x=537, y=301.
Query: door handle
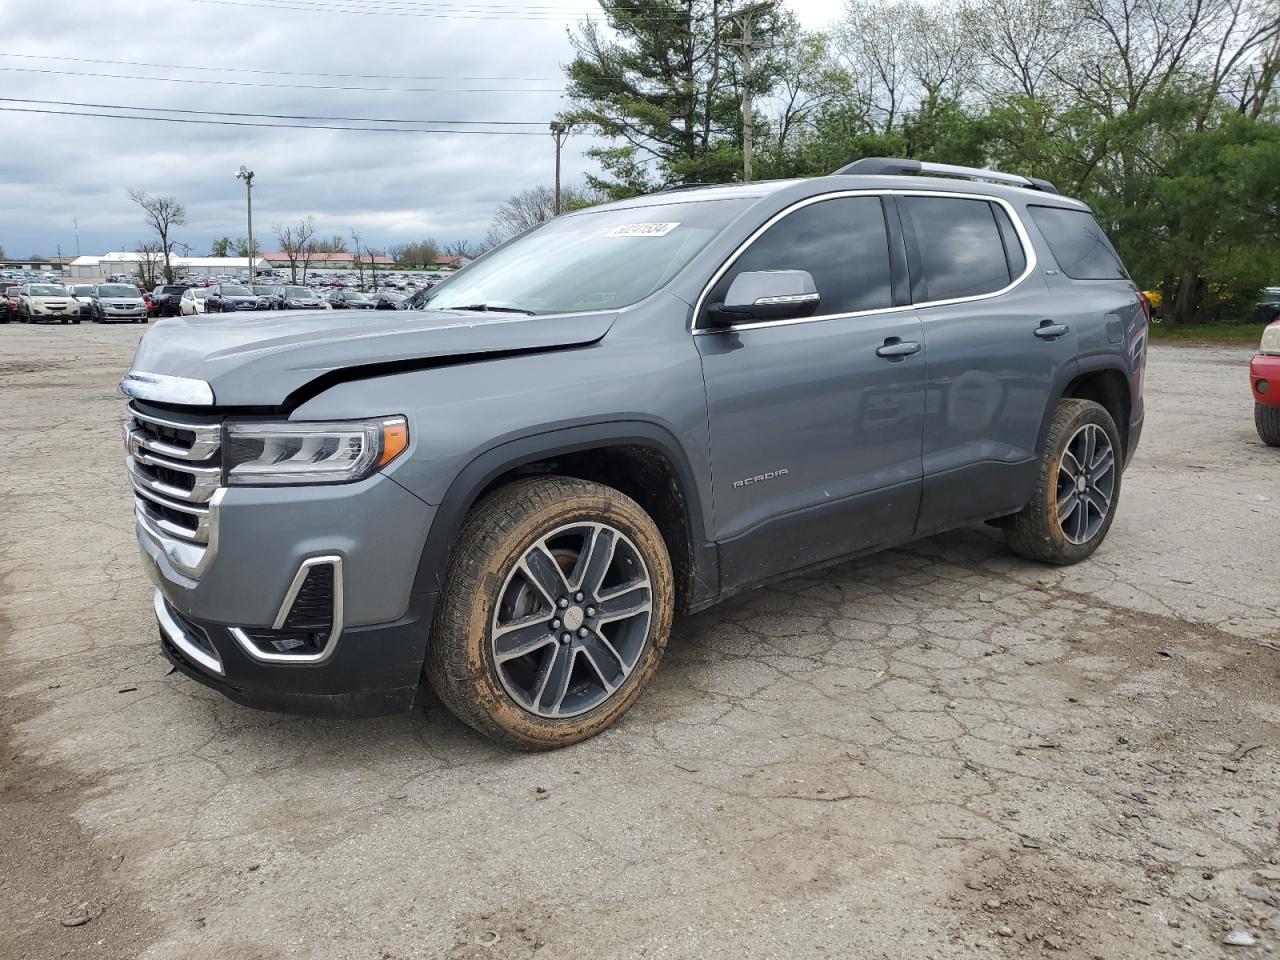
x=896, y=349
x=1048, y=330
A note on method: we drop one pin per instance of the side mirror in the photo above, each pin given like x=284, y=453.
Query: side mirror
x=766, y=295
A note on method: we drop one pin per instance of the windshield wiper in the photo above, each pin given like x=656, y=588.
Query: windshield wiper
x=486, y=308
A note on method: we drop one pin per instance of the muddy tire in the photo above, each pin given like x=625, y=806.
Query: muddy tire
x=1267, y=420
x=554, y=614
x=1077, y=487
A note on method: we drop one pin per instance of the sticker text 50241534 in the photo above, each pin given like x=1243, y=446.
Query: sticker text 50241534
x=642, y=229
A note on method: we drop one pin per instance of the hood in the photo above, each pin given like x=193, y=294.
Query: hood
x=263, y=358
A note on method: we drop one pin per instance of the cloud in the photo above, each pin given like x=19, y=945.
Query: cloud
x=393, y=186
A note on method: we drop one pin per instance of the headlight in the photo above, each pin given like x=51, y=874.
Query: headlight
x=275, y=453
x=1271, y=340
x=295, y=303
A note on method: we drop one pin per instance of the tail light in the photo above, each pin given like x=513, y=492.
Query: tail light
x=1146, y=306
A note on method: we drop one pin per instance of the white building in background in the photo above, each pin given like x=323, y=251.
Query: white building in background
x=124, y=262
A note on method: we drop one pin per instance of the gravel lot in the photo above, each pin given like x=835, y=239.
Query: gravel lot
x=939, y=752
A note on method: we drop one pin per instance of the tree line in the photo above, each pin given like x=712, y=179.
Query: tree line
x=1162, y=115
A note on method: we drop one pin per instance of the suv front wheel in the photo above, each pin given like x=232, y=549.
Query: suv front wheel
x=554, y=615
x=1077, y=488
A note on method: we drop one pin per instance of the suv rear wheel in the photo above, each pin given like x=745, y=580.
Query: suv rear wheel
x=1077, y=488
x=554, y=615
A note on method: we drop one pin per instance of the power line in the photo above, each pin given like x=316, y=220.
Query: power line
x=458, y=13
x=275, y=126
x=284, y=86
x=542, y=124
x=277, y=73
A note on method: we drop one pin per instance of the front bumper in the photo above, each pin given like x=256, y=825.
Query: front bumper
x=264, y=539
x=1264, y=379
x=124, y=313
x=373, y=671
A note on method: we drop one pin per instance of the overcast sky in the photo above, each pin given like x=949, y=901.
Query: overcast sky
x=393, y=187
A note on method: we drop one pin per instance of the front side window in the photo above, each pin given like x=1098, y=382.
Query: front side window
x=593, y=260
x=961, y=250
x=842, y=243
x=1081, y=248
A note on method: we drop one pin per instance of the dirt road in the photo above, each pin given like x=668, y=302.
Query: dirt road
x=939, y=752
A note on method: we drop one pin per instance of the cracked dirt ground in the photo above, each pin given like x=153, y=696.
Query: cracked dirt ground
x=938, y=752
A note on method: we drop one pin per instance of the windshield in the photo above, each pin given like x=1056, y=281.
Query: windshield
x=299, y=293
x=117, y=290
x=354, y=296
x=200, y=293
x=43, y=291
x=82, y=291
x=236, y=292
x=598, y=260
x=264, y=291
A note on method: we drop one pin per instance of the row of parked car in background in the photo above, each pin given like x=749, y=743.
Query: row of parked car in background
x=37, y=301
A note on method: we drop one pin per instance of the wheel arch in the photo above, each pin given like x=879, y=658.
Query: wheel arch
x=641, y=459
x=1101, y=379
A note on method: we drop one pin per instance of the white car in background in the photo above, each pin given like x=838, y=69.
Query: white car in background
x=192, y=301
x=47, y=301
x=84, y=294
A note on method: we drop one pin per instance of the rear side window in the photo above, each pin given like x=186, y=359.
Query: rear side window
x=1081, y=248
x=961, y=250
x=842, y=242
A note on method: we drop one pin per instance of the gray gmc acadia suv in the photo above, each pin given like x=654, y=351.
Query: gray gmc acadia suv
x=628, y=411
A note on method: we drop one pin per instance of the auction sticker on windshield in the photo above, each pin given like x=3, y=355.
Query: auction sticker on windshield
x=642, y=229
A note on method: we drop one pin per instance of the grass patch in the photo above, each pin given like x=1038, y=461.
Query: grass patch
x=1249, y=333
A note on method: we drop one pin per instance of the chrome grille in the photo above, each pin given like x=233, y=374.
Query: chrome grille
x=175, y=467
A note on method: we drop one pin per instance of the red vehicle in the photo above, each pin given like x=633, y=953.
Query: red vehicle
x=9, y=301
x=1264, y=378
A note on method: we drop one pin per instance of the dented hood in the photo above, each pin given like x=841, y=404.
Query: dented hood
x=262, y=359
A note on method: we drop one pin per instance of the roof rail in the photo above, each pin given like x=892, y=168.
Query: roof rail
x=890, y=166
x=672, y=187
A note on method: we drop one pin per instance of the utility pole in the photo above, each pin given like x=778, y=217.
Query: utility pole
x=559, y=131
x=76, y=221
x=745, y=17
x=246, y=175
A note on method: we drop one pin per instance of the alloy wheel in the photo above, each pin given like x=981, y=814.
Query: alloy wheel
x=1086, y=483
x=572, y=620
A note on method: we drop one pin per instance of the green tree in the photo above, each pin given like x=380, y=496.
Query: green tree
x=660, y=79
x=221, y=247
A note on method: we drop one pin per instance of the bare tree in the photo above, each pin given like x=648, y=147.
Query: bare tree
x=241, y=247
x=808, y=80
x=461, y=248
x=150, y=262
x=356, y=252
x=869, y=46
x=1259, y=81
x=1017, y=43
x=334, y=244
x=530, y=207
x=296, y=244
x=162, y=215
